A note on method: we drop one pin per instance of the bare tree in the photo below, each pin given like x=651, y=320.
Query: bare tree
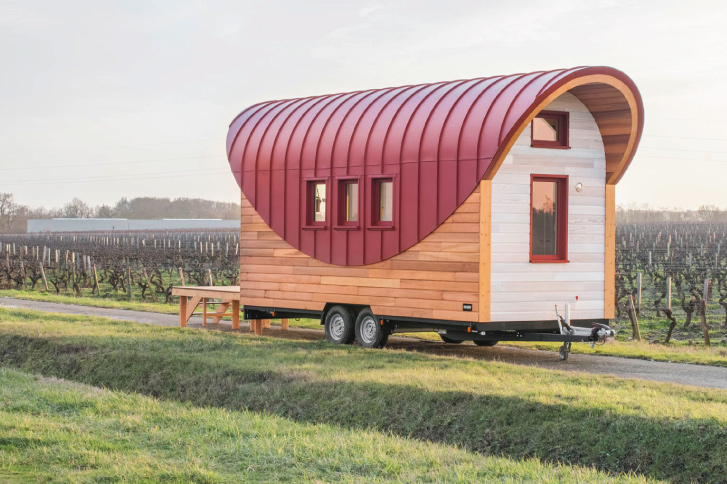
x=77, y=208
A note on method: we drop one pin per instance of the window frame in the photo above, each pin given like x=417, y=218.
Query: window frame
x=341, y=222
x=563, y=130
x=561, y=255
x=310, y=222
x=375, y=206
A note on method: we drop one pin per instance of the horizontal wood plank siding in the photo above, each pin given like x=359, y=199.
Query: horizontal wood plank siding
x=432, y=279
x=521, y=290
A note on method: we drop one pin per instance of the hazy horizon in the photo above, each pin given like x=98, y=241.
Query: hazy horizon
x=104, y=100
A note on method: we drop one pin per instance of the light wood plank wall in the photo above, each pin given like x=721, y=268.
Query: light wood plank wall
x=433, y=279
x=520, y=290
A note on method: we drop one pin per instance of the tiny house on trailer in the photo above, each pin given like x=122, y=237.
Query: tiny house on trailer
x=474, y=208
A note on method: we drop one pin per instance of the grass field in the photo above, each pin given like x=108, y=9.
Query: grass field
x=526, y=416
x=677, y=352
x=58, y=431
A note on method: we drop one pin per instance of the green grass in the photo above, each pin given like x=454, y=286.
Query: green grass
x=680, y=352
x=94, y=301
x=58, y=431
x=514, y=412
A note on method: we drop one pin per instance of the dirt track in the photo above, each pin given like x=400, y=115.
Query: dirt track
x=694, y=375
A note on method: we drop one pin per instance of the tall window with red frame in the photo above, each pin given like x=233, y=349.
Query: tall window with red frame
x=548, y=218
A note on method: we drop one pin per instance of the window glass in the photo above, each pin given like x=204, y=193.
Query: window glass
x=319, y=202
x=386, y=201
x=546, y=128
x=352, y=202
x=545, y=218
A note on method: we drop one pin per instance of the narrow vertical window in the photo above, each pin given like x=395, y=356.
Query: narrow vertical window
x=386, y=201
x=347, y=212
x=316, y=202
x=548, y=218
x=351, y=201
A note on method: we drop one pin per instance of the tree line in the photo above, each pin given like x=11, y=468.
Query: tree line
x=645, y=214
x=14, y=216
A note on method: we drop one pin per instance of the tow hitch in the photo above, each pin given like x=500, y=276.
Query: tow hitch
x=596, y=335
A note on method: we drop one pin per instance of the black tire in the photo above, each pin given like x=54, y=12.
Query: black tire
x=449, y=340
x=340, y=325
x=369, y=333
x=485, y=342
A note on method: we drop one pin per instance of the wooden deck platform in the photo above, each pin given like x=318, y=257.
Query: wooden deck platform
x=224, y=298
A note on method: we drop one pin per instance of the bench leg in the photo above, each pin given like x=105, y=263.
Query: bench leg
x=183, y=311
x=284, y=324
x=235, y=314
x=204, y=311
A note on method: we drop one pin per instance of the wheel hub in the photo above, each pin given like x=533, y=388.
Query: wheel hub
x=368, y=329
x=337, y=326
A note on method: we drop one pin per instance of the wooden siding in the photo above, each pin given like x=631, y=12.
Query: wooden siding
x=432, y=279
x=521, y=290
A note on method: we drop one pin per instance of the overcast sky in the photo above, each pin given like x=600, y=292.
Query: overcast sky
x=102, y=100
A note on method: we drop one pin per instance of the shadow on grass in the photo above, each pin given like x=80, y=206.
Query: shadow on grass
x=681, y=450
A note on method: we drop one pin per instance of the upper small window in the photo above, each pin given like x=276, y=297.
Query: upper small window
x=549, y=129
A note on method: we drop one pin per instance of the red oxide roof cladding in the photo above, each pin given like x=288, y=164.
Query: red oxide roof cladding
x=437, y=141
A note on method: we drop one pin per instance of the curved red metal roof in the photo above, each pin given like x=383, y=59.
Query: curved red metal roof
x=437, y=141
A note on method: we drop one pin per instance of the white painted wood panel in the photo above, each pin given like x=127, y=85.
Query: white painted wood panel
x=521, y=290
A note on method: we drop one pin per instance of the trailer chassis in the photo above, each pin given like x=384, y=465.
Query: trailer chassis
x=561, y=330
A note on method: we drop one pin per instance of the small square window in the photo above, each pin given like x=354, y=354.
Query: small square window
x=549, y=129
x=316, y=200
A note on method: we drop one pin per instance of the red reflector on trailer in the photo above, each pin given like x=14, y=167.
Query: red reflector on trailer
x=381, y=322
x=469, y=330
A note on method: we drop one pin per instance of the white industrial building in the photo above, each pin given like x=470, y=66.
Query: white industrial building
x=123, y=224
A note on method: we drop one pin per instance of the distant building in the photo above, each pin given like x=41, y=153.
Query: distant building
x=123, y=224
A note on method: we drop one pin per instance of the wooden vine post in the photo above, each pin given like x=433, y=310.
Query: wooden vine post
x=667, y=312
x=634, y=319
x=128, y=280
x=95, y=281
x=42, y=274
x=703, y=313
x=181, y=275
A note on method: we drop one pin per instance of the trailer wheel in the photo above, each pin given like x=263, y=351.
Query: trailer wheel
x=369, y=333
x=340, y=325
x=564, y=351
x=485, y=342
x=449, y=340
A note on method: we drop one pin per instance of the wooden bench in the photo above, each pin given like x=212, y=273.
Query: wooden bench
x=223, y=297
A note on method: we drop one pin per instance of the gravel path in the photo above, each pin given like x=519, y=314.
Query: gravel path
x=684, y=374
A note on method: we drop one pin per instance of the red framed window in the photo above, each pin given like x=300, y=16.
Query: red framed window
x=548, y=218
x=316, y=203
x=349, y=197
x=382, y=206
x=549, y=129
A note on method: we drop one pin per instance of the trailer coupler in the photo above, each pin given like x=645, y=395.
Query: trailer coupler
x=598, y=334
